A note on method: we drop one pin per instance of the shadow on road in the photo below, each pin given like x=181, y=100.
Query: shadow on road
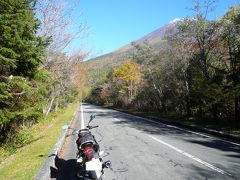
x=218, y=144
x=229, y=151
x=208, y=174
x=162, y=129
x=64, y=170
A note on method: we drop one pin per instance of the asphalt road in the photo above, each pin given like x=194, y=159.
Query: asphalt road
x=141, y=149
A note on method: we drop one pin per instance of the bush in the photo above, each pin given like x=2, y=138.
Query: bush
x=20, y=138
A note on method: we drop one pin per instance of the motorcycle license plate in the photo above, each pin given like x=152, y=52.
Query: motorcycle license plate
x=94, y=165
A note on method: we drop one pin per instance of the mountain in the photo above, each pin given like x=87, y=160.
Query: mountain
x=100, y=66
x=155, y=39
x=158, y=35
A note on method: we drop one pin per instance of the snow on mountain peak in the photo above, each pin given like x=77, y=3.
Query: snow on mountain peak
x=176, y=20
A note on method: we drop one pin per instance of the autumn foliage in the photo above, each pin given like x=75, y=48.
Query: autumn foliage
x=195, y=76
x=122, y=85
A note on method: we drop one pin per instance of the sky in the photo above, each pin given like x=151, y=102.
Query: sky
x=115, y=23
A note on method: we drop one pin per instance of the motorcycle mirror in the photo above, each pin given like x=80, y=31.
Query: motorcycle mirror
x=91, y=118
x=64, y=127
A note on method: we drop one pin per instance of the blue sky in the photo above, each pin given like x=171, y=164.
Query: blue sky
x=114, y=23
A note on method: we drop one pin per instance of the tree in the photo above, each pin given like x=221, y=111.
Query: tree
x=58, y=21
x=202, y=34
x=231, y=38
x=148, y=58
x=181, y=49
x=21, y=50
x=21, y=54
x=127, y=77
x=204, y=74
x=66, y=76
x=120, y=86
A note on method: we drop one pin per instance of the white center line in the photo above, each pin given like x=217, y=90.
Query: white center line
x=192, y=157
x=82, y=120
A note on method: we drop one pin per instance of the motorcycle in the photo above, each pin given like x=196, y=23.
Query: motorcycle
x=90, y=164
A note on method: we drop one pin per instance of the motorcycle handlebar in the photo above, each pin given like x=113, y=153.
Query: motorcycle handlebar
x=78, y=131
x=91, y=127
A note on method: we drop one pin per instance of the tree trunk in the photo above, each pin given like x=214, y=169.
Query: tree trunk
x=187, y=99
x=57, y=104
x=50, y=105
x=157, y=91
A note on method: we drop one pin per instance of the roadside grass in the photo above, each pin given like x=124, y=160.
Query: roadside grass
x=27, y=160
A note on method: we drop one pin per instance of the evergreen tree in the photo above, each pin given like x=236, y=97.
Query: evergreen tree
x=21, y=53
x=20, y=49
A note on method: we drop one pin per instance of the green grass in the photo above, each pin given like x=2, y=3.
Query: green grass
x=26, y=161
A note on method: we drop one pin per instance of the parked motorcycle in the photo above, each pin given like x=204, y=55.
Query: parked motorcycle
x=90, y=164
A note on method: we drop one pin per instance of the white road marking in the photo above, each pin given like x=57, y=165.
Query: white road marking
x=200, y=134
x=82, y=120
x=192, y=157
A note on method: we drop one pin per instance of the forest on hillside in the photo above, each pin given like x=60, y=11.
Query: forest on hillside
x=37, y=77
x=196, y=76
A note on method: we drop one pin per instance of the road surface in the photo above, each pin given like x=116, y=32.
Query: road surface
x=141, y=149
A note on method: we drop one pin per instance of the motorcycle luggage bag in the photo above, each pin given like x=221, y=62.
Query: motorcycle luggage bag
x=84, y=138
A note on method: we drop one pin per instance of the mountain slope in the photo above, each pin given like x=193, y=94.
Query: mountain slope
x=156, y=36
x=100, y=66
x=155, y=39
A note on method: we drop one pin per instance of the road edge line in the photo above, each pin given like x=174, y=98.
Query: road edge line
x=186, y=129
x=193, y=157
